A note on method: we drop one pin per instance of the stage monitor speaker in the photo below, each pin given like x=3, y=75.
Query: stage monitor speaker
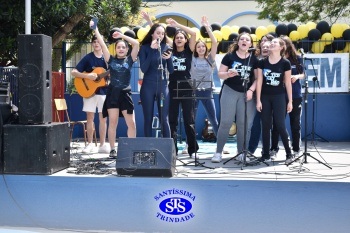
x=35, y=82
x=146, y=157
x=36, y=149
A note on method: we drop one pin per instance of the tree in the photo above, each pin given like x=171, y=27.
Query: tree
x=61, y=20
x=304, y=10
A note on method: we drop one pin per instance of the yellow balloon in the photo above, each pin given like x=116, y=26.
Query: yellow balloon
x=226, y=31
x=208, y=42
x=255, y=39
x=337, y=30
x=198, y=33
x=294, y=35
x=260, y=32
x=317, y=47
x=124, y=29
x=218, y=35
x=271, y=28
x=345, y=26
x=303, y=30
x=347, y=47
x=141, y=33
x=311, y=25
x=327, y=38
x=111, y=49
x=234, y=28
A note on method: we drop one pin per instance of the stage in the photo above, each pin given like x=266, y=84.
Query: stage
x=92, y=197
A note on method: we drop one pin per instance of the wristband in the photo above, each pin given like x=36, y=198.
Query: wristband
x=250, y=90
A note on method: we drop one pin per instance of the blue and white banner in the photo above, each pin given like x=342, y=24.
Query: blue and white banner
x=330, y=69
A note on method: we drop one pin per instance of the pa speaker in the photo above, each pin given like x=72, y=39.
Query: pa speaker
x=146, y=157
x=35, y=82
x=36, y=149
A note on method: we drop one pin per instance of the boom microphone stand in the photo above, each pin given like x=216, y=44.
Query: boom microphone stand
x=245, y=152
x=312, y=134
x=305, y=154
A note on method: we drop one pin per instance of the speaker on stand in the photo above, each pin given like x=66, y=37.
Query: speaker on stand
x=35, y=82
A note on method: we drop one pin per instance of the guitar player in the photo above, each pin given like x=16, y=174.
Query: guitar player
x=84, y=70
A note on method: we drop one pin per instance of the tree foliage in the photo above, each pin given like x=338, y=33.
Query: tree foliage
x=304, y=10
x=61, y=20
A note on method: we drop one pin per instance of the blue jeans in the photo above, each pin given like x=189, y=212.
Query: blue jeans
x=206, y=97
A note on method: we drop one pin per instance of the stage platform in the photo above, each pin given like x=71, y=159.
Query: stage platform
x=92, y=197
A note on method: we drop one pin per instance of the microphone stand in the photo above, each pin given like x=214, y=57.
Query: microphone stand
x=305, y=154
x=245, y=152
x=161, y=101
x=315, y=80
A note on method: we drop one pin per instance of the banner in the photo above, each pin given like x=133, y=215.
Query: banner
x=331, y=70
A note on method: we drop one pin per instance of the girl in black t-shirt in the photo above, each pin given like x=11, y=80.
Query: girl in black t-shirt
x=180, y=85
x=274, y=80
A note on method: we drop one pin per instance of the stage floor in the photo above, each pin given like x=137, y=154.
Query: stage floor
x=326, y=161
x=89, y=196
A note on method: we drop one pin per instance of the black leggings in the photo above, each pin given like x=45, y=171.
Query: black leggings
x=274, y=106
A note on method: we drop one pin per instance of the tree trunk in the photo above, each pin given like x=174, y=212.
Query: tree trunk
x=61, y=34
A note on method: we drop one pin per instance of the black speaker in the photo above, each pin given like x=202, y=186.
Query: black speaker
x=35, y=82
x=36, y=149
x=146, y=157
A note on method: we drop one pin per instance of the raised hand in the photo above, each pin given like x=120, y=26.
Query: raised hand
x=116, y=35
x=172, y=22
x=205, y=21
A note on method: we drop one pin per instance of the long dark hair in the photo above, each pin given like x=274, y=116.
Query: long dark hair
x=185, y=35
x=148, y=37
x=292, y=53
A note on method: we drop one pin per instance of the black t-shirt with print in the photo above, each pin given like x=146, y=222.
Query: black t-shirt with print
x=232, y=61
x=182, y=66
x=273, y=76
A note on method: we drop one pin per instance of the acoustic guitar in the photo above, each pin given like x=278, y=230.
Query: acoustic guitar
x=208, y=132
x=87, y=87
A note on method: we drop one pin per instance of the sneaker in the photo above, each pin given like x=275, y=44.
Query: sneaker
x=185, y=151
x=113, y=154
x=296, y=154
x=241, y=158
x=289, y=159
x=104, y=148
x=88, y=148
x=217, y=158
x=273, y=154
x=263, y=159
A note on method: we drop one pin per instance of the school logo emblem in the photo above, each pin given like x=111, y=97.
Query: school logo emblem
x=175, y=205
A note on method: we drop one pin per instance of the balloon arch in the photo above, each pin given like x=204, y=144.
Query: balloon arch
x=312, y=37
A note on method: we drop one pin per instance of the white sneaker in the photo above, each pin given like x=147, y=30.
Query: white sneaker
x=105, y=148
x=185, y=151
x=241, y=158
x=217, y=158
x=88, y=148
x=273, y=154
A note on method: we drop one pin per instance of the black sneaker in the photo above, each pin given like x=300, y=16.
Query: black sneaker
x=113, y=154
x=264, y=159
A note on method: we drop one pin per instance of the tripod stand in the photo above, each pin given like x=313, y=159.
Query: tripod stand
x=312, y=134
x=192, y=89
x=305, y=154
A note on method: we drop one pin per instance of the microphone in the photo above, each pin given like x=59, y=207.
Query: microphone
x=303, y=53
x=251, y=50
